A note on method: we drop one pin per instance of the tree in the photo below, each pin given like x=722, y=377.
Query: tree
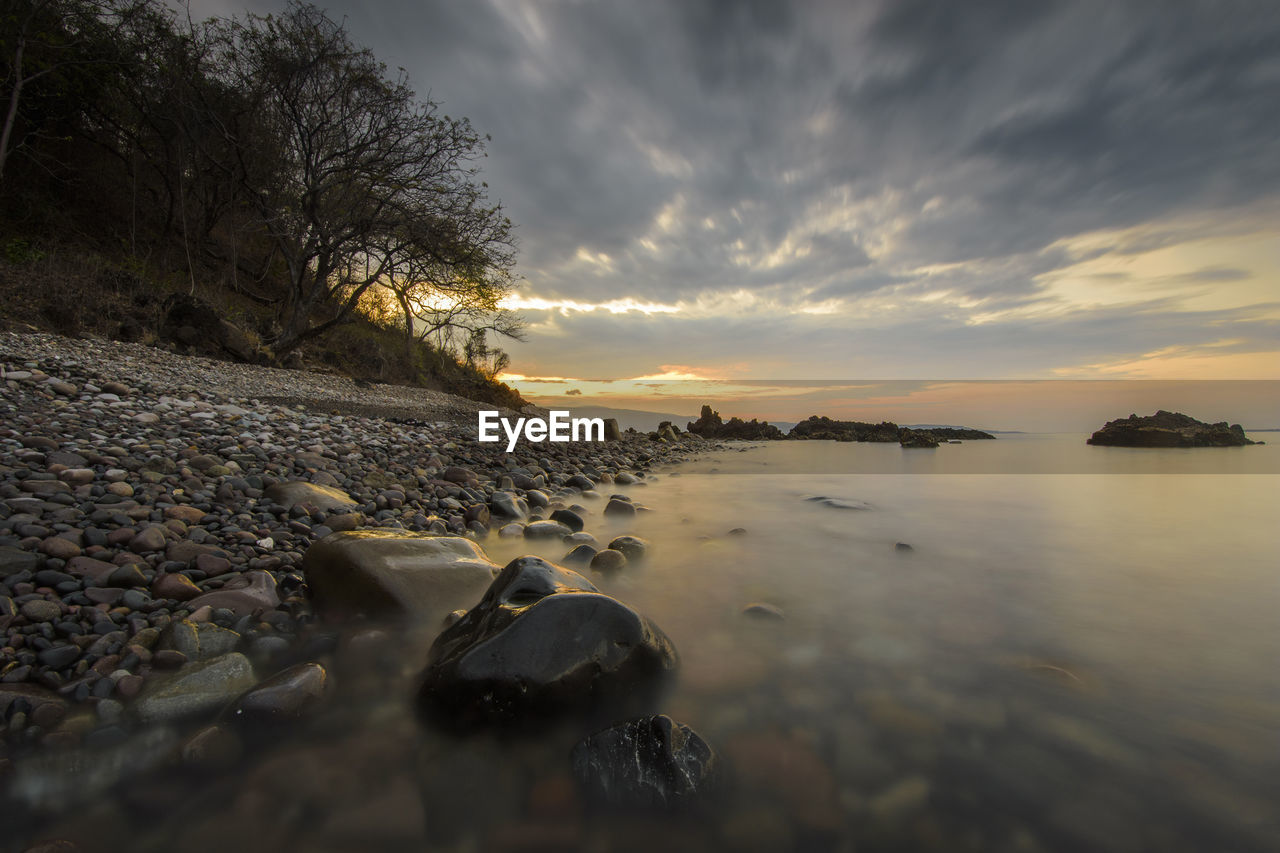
x=48, y=49
x=355, y=181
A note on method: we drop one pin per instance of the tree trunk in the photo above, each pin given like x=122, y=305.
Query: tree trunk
x=11, y=115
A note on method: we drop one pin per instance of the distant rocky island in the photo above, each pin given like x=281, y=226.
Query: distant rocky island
x=819, y=427
x=710, y=425
x=1169, y=429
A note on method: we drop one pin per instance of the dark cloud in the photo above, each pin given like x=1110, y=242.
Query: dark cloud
x=829, y=150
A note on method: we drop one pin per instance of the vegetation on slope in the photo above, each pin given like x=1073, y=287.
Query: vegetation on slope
x=260, y=189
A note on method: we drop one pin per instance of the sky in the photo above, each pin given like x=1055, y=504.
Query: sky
x=915, y=189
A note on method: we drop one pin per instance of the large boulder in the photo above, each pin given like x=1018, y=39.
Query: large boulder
x=1168, y=429
x=384, y=573
x=294, y=492
x=648, y=763
x=543, y=640
x=195, y=323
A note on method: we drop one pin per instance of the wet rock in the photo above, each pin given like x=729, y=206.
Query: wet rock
x=839, y=503
x=580, y=555
x=569, y=518
x=212, y=748
x=381, y=573
x=197, y=688
x=295, y=492
x=344, y=521
x=633, y=547
x=648, y=763
x=608, y=560
x=619, y=508
x=284, y=697
x=546, y=530
x=542, y=640
x=764, y=611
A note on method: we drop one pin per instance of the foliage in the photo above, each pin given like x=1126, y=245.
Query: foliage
x=267, y=158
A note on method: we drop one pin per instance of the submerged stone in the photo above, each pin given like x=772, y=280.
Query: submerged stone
x=284, y=697
x=647, y=763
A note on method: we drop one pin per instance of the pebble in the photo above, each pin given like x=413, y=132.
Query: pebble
x=41, y=611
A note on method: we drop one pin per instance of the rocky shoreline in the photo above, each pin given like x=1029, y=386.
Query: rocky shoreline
x=155, y=512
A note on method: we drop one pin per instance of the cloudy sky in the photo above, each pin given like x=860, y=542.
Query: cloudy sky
x=915, y=189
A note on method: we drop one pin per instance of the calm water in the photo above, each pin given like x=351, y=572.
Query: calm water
x=1062, y=661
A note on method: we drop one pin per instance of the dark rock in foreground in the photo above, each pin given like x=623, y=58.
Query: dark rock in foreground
x=1168, y=429
x=648, y=763
x=542, y=640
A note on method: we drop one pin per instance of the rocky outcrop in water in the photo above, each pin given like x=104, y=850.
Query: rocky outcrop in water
x=543, y=640
x=710, y=425
x=1168, y=429
x=917, y=438
x=648, y=763
x=824, y=428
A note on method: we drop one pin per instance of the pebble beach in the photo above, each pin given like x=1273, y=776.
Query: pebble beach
x=155, y=511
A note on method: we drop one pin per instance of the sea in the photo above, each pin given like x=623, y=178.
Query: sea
x=1027, y=644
